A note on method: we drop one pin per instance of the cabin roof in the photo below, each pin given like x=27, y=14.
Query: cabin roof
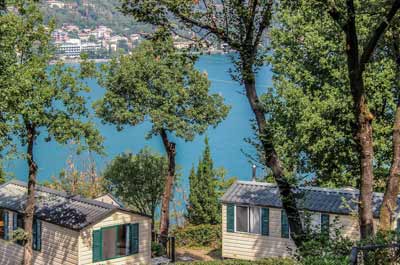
x=336, y=201
x=57, y=207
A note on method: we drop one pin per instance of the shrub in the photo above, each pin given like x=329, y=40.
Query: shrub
x=157, y=250
x=199, y=236
x=270, y=261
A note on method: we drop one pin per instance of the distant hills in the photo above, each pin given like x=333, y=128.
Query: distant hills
x=90, y=14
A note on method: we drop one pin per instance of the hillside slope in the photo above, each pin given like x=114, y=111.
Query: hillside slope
x=92, y=13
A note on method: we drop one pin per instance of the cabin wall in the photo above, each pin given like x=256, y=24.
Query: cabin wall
x=144, y=255
x=59, y=247
x=248, y=246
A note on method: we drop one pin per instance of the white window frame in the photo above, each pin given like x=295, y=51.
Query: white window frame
x=248, y=219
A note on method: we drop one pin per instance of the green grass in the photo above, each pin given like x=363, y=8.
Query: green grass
x=271, y=261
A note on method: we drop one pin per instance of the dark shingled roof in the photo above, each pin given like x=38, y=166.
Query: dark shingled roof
x=337, y=201
x=60, y=208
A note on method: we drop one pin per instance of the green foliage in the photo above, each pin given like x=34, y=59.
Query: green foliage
x=322, y=248
x=204, y=235
x=157, y=249
x=310, y=108
x=51, y=101
x=203, y=206
x=270, y=261
x=138, y=180
x=157, y=84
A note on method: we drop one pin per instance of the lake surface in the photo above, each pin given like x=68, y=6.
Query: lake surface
x=227, y=140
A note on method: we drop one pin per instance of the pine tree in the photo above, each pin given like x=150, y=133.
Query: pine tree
x=203, y=205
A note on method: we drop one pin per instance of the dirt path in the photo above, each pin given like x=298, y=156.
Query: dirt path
x=187, y=254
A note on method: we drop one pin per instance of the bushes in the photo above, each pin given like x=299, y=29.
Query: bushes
x=199, y=236
x=271, y=261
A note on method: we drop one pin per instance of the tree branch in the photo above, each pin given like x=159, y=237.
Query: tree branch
x=373, y=41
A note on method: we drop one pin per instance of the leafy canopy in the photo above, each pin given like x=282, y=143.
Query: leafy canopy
x=138, y=179
x=158, y=84
x=310, y=109
x=49, y=99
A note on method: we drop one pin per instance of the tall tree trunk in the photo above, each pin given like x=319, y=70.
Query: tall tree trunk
x=272, y=160
x=389, y=202
x=363, y=124
x=171, y=152
x=30, y=203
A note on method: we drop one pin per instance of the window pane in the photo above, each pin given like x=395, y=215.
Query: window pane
x=2, y=224
x=255, y=218
x=123, y=242
x=242, y=219
x=109, y=239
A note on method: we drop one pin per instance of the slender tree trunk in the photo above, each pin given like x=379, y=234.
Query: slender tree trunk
x=171, y=152
x=389, y=202
x=30, y=204
x=272, y=160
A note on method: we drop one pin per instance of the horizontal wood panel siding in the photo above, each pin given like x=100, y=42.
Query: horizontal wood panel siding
x=144, y=255
x=251, y=246
x=59, y=247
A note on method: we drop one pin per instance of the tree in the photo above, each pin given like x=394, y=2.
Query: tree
x=40, y=101
x=242, y=25
x=138, y=180
x=334, y=114
x=203, y=206
x=358, y=56
x=160, y=85
x=79, y=177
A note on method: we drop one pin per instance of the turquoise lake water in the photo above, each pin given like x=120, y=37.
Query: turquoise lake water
x=227, y=140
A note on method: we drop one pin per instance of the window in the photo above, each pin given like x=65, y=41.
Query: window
x=18, y=222
x=255, y=221
x=242, y=219
x=325, y=223
x=284, y=225
x=115, y=241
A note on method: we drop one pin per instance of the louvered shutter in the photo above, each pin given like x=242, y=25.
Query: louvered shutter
x=265, y=221
x=284, y=225
x=37, y=235
x=5, y=222
x=134, y=236
x=15, y=221
x=96, y=246
x=230, y=218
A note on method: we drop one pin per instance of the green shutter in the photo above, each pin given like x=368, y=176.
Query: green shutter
x=230, y=218
x=284, y=225
x=265, y=221
x=97, y=245
x=325, y=223
x=37, y=235
x=15, y=221
x=5, y=222
x=134, y=235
